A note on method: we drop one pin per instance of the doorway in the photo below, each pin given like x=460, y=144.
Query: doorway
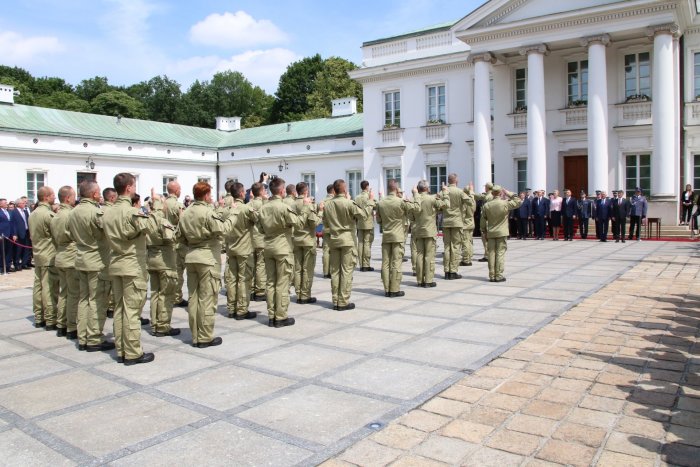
x=576, y=174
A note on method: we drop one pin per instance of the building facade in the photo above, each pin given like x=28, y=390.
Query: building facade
x=584, y=94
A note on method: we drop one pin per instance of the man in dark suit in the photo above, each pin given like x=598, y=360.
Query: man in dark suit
x=30, y=252
x=523, y=215
x=586, y=211
x=21, y=234
x=7, y=230
x=540, y=212
x=621, y=208
x=602, y=216
x=569, y=211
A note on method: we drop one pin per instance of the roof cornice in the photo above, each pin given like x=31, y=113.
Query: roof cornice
x=409, y=68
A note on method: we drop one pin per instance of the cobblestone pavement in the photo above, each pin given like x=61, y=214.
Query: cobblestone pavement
x=302, y=394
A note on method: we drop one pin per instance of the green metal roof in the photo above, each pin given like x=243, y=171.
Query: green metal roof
x=44, y=121
x=417, y=32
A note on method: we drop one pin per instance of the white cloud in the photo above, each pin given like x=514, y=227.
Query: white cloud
x=20, y=50
x=236, y=31
x=128, y=21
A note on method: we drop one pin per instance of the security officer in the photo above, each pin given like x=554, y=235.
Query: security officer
x=468, y=208
x=494, y=222
x=452, y=225
x=277, y=222
x=259, y=193
x=392, y=214
x=126, y=228
x=45, y=292
x=239, y=253
x=340, y=215
x=173, y=211
x=485, y=197
x=85, y=225
x=68, y=278
x=425, y=231
x=330, y=194
x=365, y=228
x=304, y=247
x=104, y=283
x=201, y=230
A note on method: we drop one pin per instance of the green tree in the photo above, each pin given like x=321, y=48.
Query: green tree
x=49, y=85
x=117, y=103
x=17, y=75
x=88, y=89
x=26, y=96
x=62, y=100
x=293, y=89
x=333, y=82
x=160, y=96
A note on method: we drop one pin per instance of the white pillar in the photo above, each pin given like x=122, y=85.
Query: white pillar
x=663, y=161
x=536, y=118
x=598, y=162
x=482, y=118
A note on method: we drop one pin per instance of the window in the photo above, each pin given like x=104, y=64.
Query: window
x=696, y=172
x=354, y=178
x=577, y=82
x=521, y=169
x=437, y=175
x=392, y=108
x=167, y=179
x=638, y=173
x=436, y=104
x=310, y=180
x=637, y=75
x=83, y=176
x=35, y=180
x=520, y=89
x=392, y=173
x=696, y=74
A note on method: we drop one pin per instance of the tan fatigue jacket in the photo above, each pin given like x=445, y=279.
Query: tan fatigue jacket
x=239, y=241
x=306, y=234
x=340, y=217
x=468, y=209
x=173, y=210
x=452, y=216
x=85, y=227
x=425, y=225
x=494, y=215
x=66, y=250
x=160, y=242
x=392, y=214
x=201, y=229
x=277, y=221
x=362, y=200
x=43, y=245
x=258, y=237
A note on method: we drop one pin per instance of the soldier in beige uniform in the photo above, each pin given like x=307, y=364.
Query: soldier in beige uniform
x=45, y=292
x=425, y=231
x=173, y=211
x=340, y=215
x=304, y=241
x=494, y=222
x=452, y=225
x=227, y=203
x=392, y=214
x=330, y=193
x=104, y=283
x=126, y=228
x=365, y=228
x=468, y=208
x=259, y=194
x=68, y=278
x=239, y=251
x=85, y=225
x=484, y=197
x=201, y=229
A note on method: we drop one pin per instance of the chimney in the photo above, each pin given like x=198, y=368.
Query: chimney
x=344, y=106
x=7, y=94
x=228, y=123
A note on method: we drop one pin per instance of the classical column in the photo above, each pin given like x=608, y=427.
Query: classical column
x=597, y=112
x=482, y=118
x=663, y=161
x=536, y=117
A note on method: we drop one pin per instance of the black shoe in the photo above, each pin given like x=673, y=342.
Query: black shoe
x=248, y=315
x=430, y=284
x=617, y=241
x=40, y=324
x=171, y=332
x=306, y=301
x=72, y=335
x=623, y=241
x=110, y=314
x=182, y=304
x=120, y=359
x=455, y=275
x=492, y=280
x=465, y=263
x=284, y=323
x=485, y=260
x=231, y=315
x=404, y=260
x=421, y=284
x=144, y=358
x=326, y=276
x=82, y=347
x=61, y=332
x=259, y=298
x=51, y=327
x=271, y=323
x=145, y=321
x=387, y=294
x=213, y=343
x=500, y=279
x=414, y=274
x=349, y=306
x=106, y=345
x=400, y=293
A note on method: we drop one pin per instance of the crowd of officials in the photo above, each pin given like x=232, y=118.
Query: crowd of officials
x=95, y=254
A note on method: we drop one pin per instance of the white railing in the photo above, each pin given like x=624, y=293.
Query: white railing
x=519, y=120
x=634, y=113
x=436, y=133
x=434, y=40
x=692, y=113
x=392, y=136
x=392, y=48
x=575, y=117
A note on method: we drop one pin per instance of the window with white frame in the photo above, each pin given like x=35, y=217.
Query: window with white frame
x=392, y=109
x=437, y=175
x=521, y=173
x=35, y=180
x=436, y=104
x=696, y=74
x=389, y=174
x=577, y=82
x=637, y=75
x=167, y=179
x=310, y=180
x=354, y=177
x=638, y=172
x=696, y=172
x=520, y=89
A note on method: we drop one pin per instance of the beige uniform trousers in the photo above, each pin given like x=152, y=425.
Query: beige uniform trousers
x=259, y=274
x=279, y=270
x=163, y=284
x=105, y=299
x=240, y=270
x=180, y=253
x=467, y=244
x=425, y=260
x=129, y=299
x=304, y=265
x=326, y=256
x=68, y=298
x=90, y=309
x=365, y=237
x=341, y=264
x=392, y=258
x=452, y=239
x=203, y=284
x=497, y=257
x=45, y=294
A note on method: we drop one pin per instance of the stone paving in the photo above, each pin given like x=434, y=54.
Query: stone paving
x=302, y=394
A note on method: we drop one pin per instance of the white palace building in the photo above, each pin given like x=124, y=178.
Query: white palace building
x=580, y=94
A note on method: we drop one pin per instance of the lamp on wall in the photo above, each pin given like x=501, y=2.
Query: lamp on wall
x=89, y=163
x=283, y=166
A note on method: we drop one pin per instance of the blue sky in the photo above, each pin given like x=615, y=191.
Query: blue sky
x=133, y=40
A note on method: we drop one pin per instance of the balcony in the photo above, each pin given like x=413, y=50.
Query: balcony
x=692, y=113
x=634, y=113
x=392, y=136
x=574, y=117
x=436, y=133
x=519, y=121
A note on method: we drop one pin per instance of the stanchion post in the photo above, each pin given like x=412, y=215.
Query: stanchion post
x=4, y=264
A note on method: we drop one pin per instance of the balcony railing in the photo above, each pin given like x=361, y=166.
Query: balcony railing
x=436, y=133
x=392, y=136
x=634, y=113
x=574, y=117
x=519, y=121
x=692, y=113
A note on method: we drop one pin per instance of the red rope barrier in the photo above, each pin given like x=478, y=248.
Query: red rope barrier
x=18, y=244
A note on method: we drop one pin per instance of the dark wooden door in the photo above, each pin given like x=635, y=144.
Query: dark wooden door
x=576, y=174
